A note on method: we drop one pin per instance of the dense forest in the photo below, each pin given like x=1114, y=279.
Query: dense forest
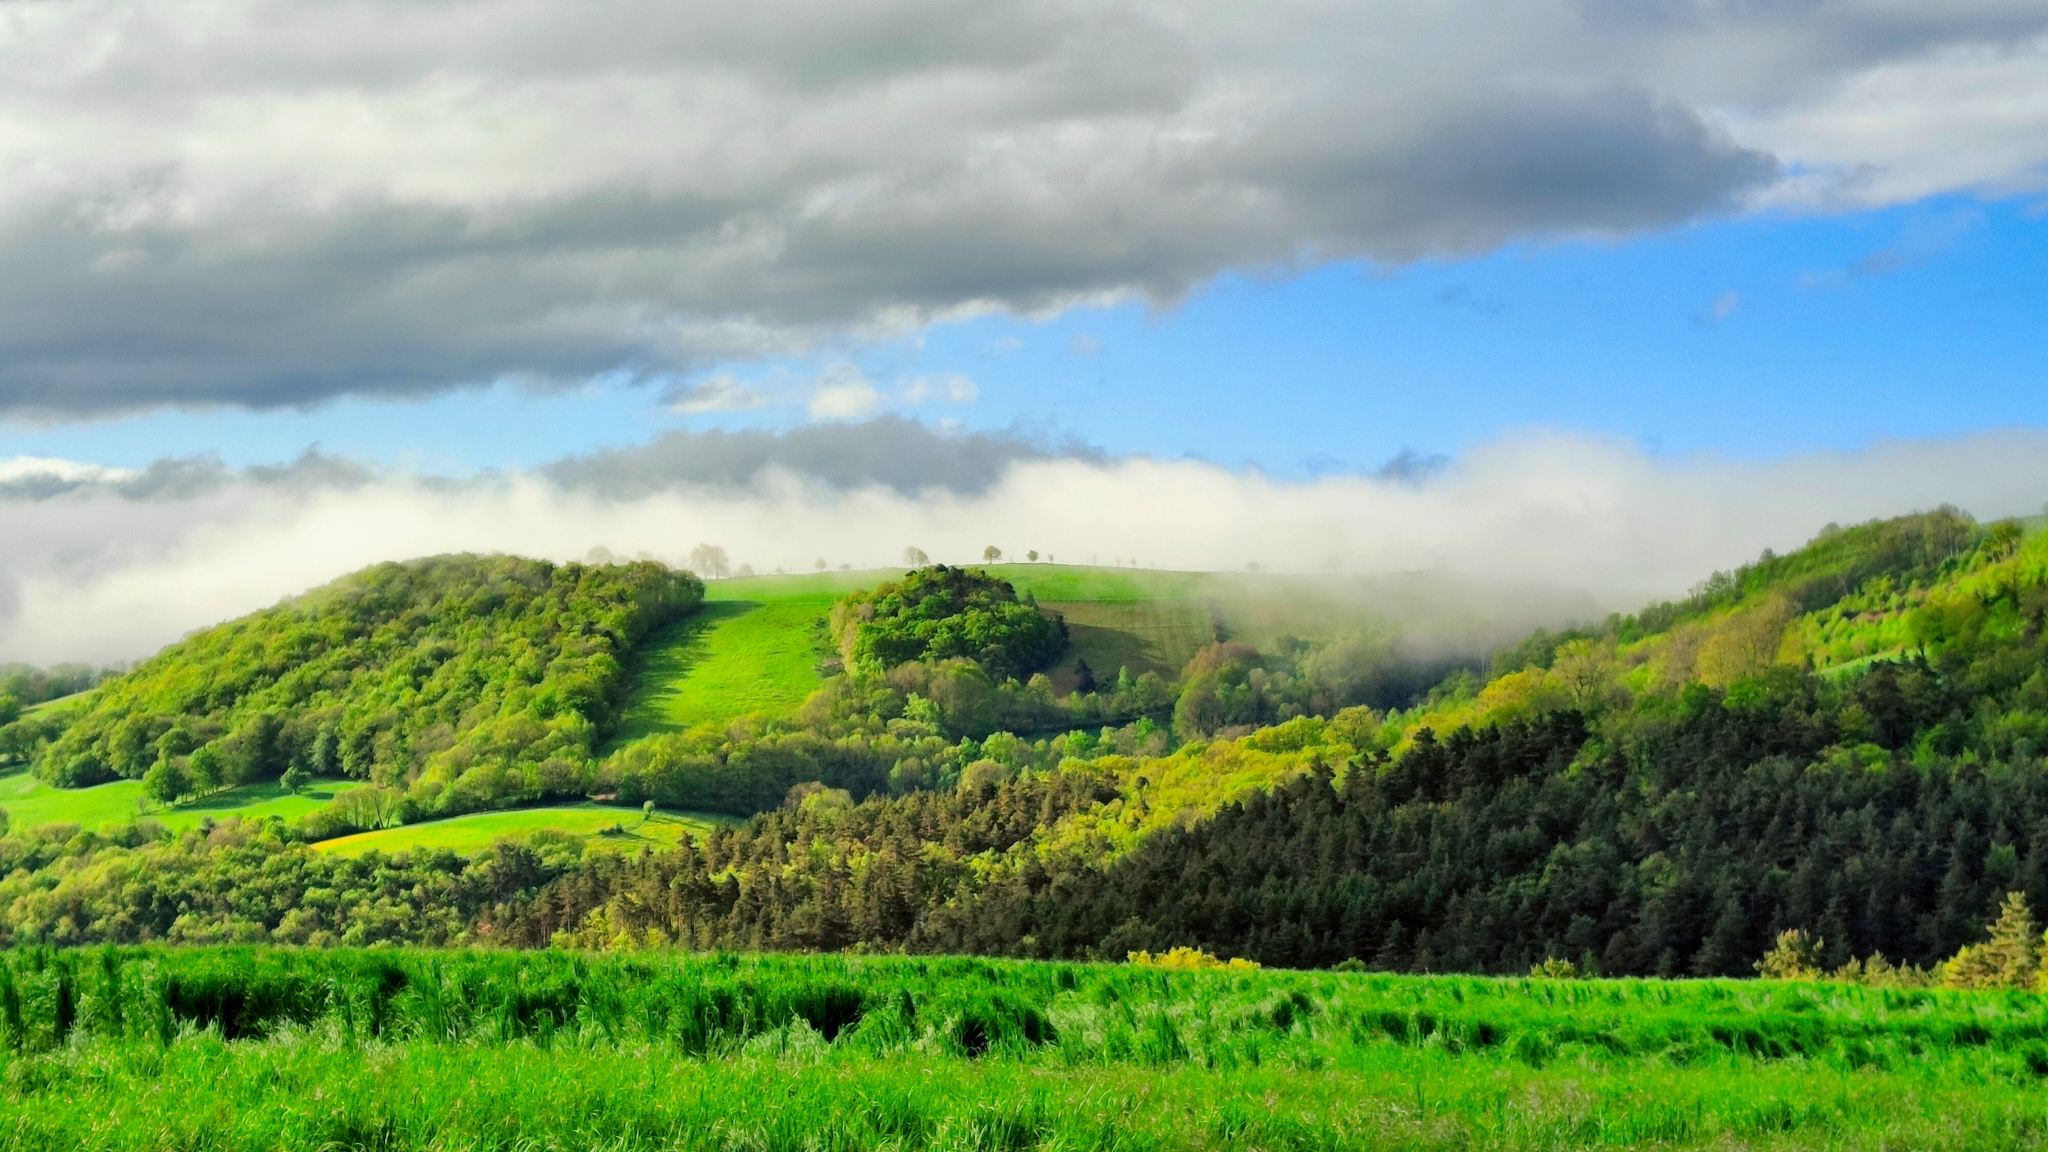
x=448, y=684
x=1844, y=740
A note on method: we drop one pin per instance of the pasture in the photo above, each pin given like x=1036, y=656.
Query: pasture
x=730, y=657
x=30, y=803
x=601, y=826
x=288, y=1049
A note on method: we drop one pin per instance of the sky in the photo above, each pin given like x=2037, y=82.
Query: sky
x=1591, y=295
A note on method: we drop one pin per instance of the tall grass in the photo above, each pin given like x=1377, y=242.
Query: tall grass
x=247, y=1048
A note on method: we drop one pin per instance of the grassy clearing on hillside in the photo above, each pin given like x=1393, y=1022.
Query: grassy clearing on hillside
x=1145, y=636
x=236, y=1048
x=30, y=802
x=730, y=658
x=470, y=834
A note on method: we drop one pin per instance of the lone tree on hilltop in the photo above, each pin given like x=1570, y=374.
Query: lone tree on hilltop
x=1032, y=555
x=991, y=554
x=914, y=557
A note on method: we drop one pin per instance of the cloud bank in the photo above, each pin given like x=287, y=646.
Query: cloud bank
x=111, y=568
x=273, y=202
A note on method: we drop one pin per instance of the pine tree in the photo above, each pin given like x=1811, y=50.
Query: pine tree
x=2010, y=959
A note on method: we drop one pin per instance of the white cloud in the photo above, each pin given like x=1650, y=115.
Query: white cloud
x=45, y=467
x=843, y=392
x=93, y=574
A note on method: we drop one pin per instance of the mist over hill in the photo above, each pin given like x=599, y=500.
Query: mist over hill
x=109, y=567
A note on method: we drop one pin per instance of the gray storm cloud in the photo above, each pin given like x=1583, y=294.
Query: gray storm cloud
x=269, y=203
x=111, y=568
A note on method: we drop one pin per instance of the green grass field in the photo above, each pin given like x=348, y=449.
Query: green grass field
x=730, y=657
x=30, y=802
x=290, y=1049
x=468, y=834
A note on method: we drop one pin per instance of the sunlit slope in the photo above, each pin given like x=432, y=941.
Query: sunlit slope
x=30, y=803
x=1927, y=585
x=758, y=643
x=600, y=826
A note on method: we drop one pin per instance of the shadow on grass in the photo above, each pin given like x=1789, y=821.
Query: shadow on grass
x=248, y=795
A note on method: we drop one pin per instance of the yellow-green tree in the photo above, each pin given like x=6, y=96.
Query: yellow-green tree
x=2011, y=958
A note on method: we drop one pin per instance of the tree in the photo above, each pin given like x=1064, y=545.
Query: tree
x=914, y=557
x=821, y=563
x=1084, y=677
x=205, y=769
x=710, y=562
x=991, y=554
x=294, y=778
x=2010, y=959
x=165, y=782
x=647, y=811
x=1795, y=957
x=941, y=613
x=1032, y=555
x=10, y=709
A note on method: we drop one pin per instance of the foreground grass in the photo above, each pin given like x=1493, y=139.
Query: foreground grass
x=31, y=803
x=241, y=1049
x=604, y=826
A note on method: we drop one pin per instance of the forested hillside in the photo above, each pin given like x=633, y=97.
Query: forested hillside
x=1844, y=740
x=449, y=684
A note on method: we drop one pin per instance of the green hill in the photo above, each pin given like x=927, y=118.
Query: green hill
x=448, y=684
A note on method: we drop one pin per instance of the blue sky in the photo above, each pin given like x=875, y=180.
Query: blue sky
x=1750, y=338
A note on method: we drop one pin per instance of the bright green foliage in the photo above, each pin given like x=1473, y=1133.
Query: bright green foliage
x=941, y=613
x=248, y=1049
x=463, y=682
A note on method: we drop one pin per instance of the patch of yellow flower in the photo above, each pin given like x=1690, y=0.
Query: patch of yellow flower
x=1191, y=960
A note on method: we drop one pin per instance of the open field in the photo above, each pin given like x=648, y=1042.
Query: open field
x=467, y=834
x=30, y=802
x=288, y=1049
x=729, y=658
x=1142, y=635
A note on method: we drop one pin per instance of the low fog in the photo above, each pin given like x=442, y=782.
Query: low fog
x=104, y=566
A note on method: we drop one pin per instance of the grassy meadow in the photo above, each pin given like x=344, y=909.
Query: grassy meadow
x=31, y=803
x=729, y=658
x=284, y=1049
x=601, y=825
